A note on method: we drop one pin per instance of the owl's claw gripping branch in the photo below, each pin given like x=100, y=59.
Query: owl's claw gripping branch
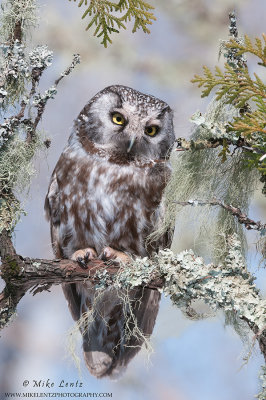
x=84, y=256
x=82, y=262
x=111, y=254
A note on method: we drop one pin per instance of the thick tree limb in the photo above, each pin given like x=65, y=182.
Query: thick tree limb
x=25, y=274
x=184, y=277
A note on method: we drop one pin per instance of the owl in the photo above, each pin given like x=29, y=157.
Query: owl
x=106, y=192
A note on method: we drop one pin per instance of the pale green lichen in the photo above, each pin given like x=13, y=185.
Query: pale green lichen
x=15, y=72
x=7, y=316
x=16, y=171
x=13, y=11
x=73, y=336
x=185, y=278
x=17, y=18
x=21, y=105
x=36, y=265
x=228, y=287
x=41, y=99
x=75, y=61
x=16, y=163
x=41, y=57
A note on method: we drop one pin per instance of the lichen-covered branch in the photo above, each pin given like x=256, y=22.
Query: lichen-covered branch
x=212, y=143
x=41, y=100
x=16, y=20
x=184, y=277
x=21, y=105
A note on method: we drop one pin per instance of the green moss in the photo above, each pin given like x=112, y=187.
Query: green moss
x=10, y=269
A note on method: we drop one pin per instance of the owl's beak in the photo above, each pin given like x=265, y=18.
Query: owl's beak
x=132, y=141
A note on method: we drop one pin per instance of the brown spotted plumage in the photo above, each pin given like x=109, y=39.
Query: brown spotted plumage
x=106, y=192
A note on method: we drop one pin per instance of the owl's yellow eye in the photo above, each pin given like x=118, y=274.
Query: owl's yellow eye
x=118, y=119
x=151, y=130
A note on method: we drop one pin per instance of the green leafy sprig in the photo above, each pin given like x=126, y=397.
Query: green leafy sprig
x=106, y=16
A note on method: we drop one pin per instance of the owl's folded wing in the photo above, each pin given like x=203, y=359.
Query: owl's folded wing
x=73, y=299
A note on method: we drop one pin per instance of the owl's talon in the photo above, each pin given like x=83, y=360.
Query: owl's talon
x=83, y=256
x=103, y=257
x=82, y=263
x=109, y=253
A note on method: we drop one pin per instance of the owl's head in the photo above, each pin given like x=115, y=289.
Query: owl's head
x=126, y=123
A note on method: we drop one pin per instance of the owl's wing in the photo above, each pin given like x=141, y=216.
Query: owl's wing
x=52, y=210
x=73, y=299
x=162, y=240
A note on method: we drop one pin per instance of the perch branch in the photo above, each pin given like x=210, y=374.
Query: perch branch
x=184, y=277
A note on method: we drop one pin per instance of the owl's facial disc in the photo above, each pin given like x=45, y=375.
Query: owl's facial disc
x=127, y=124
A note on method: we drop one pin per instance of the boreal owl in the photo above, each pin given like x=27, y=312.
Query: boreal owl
x=106, y=192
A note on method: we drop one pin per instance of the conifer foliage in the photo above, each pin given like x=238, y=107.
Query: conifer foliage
x=246, y=92
x=108, y=17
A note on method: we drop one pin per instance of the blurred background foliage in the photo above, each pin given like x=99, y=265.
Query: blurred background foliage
x=191, y=360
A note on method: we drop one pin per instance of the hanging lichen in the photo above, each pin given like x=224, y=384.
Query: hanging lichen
x=21, y=105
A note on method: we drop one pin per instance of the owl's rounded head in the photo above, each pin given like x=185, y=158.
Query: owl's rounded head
x=126, y=123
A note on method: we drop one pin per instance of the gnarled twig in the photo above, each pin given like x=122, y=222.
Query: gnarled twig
x=242, y=217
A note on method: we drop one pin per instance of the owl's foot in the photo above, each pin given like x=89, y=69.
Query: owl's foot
x=109, y=253
x=83, y=256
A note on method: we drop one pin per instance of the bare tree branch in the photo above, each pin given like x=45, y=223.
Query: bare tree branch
x=42, y=104
x=242, y=217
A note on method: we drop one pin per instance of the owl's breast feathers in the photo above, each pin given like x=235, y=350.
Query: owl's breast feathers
x=95, y=200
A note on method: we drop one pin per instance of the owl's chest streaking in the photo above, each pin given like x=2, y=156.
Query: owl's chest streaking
x=104, y=203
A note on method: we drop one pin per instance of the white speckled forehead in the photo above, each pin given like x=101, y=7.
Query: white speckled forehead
x=141, y=101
